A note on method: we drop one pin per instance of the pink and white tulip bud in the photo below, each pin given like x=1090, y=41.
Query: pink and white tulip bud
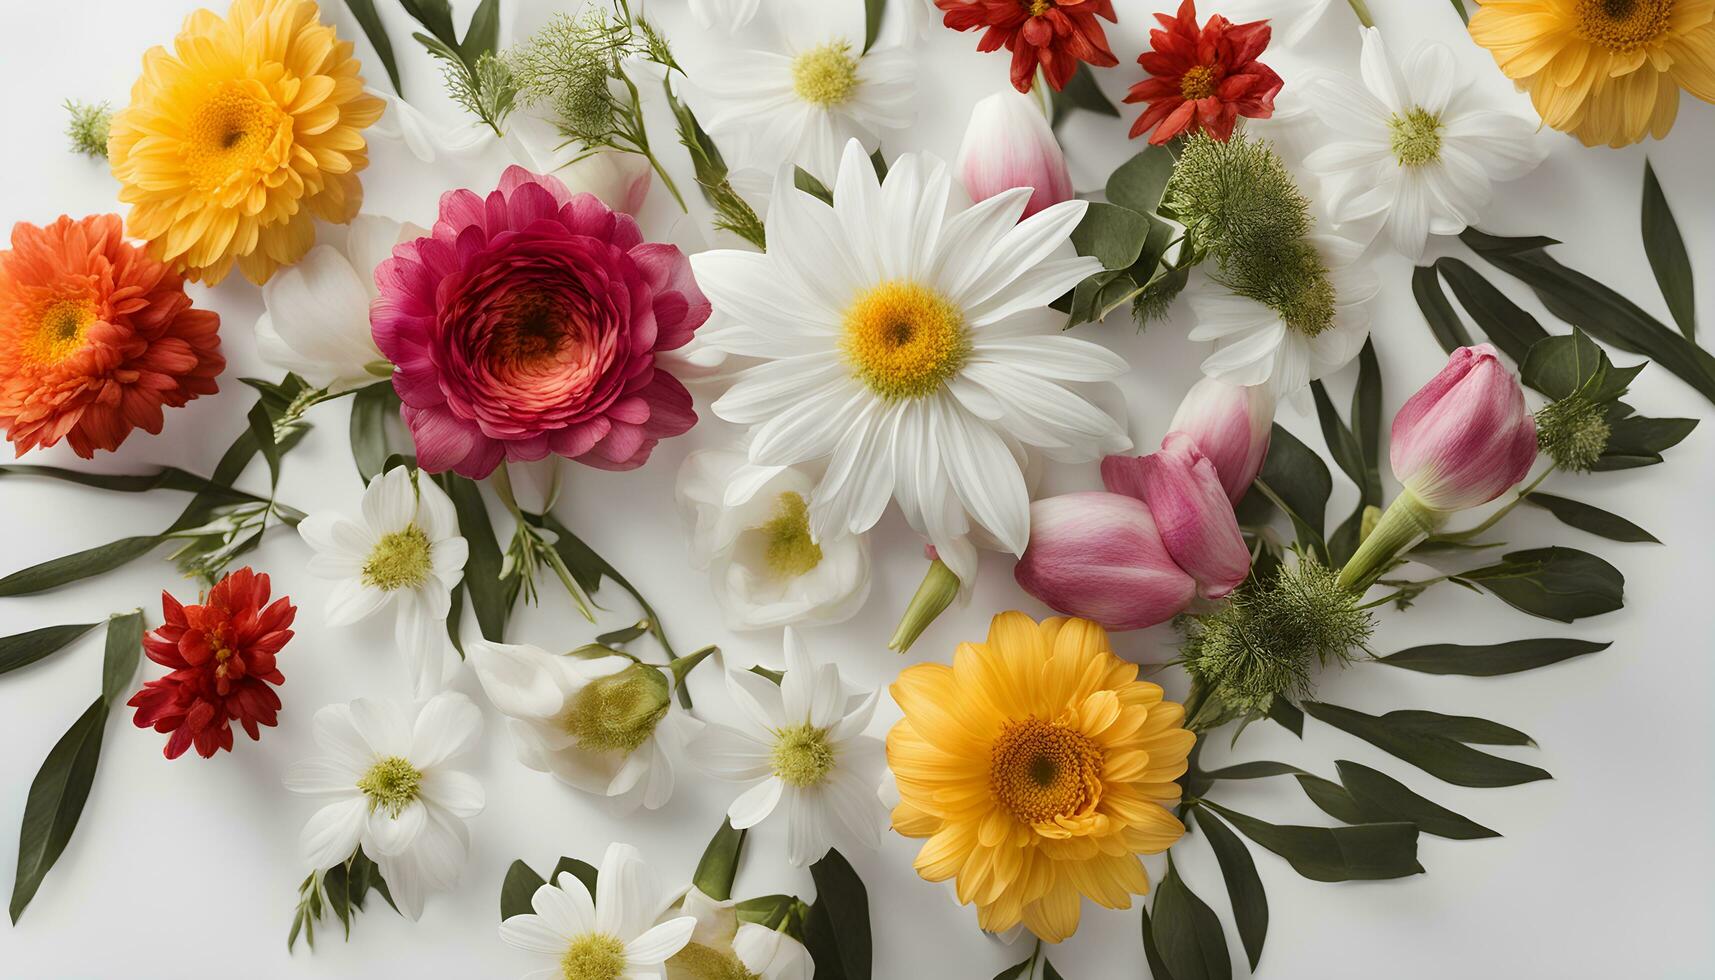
x=1465, y=438
x=621, y=180
x=1100, y=556
x=1231, y=424
x=1009, y=144
x=1191, y=511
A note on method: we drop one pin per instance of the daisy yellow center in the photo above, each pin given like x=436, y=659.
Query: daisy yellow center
x=904, y=340
x=1415, y=137
x=1623, y=25
x=391, y=785
x=1197, y=83
x=59, y=332
x=616, y=713
x=400, y=560
x=708, y=963
x=594, y=956
x=826, y=76
x=230, y=134
x=790, y=551
x=1040, y=770
x=802, y=755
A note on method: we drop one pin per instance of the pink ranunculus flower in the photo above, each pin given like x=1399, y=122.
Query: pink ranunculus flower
x=1009, y=144
x=1101, y=557
x=527, y=323
x=1191, y=511
x=1465, y=438
x=1231, y=425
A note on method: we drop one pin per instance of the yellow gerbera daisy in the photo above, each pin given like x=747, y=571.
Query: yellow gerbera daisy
x=1038, y=767
x=241, y=135
x=1606, y=71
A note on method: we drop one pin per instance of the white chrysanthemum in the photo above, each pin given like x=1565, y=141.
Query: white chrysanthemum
x=723, y=948
x=612, y=935
x=1414, y=152
x=404, y=551
x=803, y=750
x=1255, y=345
x=911, y=344
x=606, y=725
x=799, y=102
x=393, y=790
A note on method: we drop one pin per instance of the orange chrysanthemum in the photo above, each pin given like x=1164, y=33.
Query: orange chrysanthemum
x=95, y=337
x=241, y=135
x=1038, y=767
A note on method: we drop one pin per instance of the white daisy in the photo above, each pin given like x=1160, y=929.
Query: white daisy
x=911, y=344
x=393, y=791
x=751, y=530
x=803, y=749
x=606, y=725
x=1414, y=153
x=799, y=102
x=405, y=551
x=722, y=947
x=612, y=935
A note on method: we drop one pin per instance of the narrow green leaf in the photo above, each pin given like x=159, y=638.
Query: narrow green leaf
x=719, y=864
x=1151, y=955
x=23, y=649
x=78, y=566
x=1459, y=6
x=1489, y=660
x=482, y=569
x=1443, y=320
x=1187, y=932
x=1251, y=770
x=119, y=664
x=1511, y=328
x=1244, y=885
x=1667, y=256
x=1333, y=799
x=482, y=34
x=1081, y=92
x=1015, y=971
x=1295, y=478
x=872, y=14
x=521, y=882
x=166, y=478
x=1639, y=441
x=262, y=427
x=1439, y=755
x=1366, y=852
x=55, y=802
x=1378, y=791
x=1286, y=714
x=1595, y=520
x=581, y=870
x=436, y=16
x=1342, y=444
x=1048, y=971
x=1555, y=583
x=370, y=408
x=1460, y=728
x=838, y=933
x=370, y=21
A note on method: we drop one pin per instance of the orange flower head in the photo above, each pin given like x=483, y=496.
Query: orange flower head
x=1038, y=767
x=95, y=337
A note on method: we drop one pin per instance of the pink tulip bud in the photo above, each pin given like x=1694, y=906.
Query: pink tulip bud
x=1231, y=425
x=1193, y=514
x=1101, y=557
x=1465, y=437
x=1008, y=144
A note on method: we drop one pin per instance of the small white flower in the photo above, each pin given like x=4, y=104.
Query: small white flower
x=1414, y=152
x=612, y=935
x=404, y=551
x=803, y=750
x=393, y=790
x=722, y=947
x=751, y=529
x=605, y=725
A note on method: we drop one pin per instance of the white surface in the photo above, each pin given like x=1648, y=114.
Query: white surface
x=188, y=868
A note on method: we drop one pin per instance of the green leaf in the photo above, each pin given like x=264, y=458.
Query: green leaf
x=1139, y=182
x=1187, y=932
x=1342, y=444
x=436, y=16
x=482, y=569
x=1489, y=660
x=1081, y=92
x=78, y=566
x=1016, y=971
x=1639, y=441
x=262, y=427
x=521, y=883
x=482, y=34
x=1437, y=754
x=1048, y=971
x=1333, y=799
x=1151, y=955
x=1592, y=519
x=1379, y=792
x=1113, y=234
x=1366, y=434
x=1286, y=714
x=23, y=649
x=1459, y=6
x=1244, y=885
x=1460, y=728
x=872, y=14
x=1555, y=583
x=1667, y=257
x=166, y=478
x=119, y=664
x=1295, y=478
x=1251, y=770
x=807, y=182
x=1563, y=366
x=1511, y=328
x=719, y=864
x=370, y=408
x=581, y=870
x=370, y=21
x=55, y=802
x=1443, y=320
x=838, y=932
x=1366, y=852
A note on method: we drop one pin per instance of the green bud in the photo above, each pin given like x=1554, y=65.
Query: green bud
x=934, y=594
x=1573, y=432
x=619, y=712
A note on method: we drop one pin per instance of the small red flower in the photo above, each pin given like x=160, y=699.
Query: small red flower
x=222, y=658
x=1056, y=34
x=1204, y=78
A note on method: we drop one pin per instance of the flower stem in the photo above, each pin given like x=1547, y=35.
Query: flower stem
x=1405, y=523
x=1363, y=12
x=1495, y=518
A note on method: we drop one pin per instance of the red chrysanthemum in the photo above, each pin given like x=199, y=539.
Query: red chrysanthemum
x=1204, y=77
x=222, y=658
x=1056, y=34
x=95, y=337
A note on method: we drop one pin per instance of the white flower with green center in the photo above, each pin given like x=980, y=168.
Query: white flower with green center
x=389, y=778
x=1413, y=151
x=908, y=341
x=723, y=948
x=750, y=527
x=803, y=750
x=405, y=551
x=612, y=935
x=813, y=88
x=605, y=725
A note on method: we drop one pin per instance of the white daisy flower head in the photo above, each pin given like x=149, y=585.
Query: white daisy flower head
x=1414, y=151
x=723, y=948
x=751, y=530
x=392, y=788
x=606, y=725
x=802, y=750
x=909, y=343
x=814, y=88
x=404, y=551
x=619, y=933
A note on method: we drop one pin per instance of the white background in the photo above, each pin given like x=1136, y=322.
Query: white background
x=189, y=869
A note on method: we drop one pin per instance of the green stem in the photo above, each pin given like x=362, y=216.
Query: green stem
x=1363, y=12
x=1405, y=523
x=934, y=594
x=1495, y=518
x=1459, y=5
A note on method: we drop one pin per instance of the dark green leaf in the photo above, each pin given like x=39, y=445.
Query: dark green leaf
x=1459, y=6
x=455, y=617
x=807, y=182
x=1366, y=852
x=839, y=920
x=370, y=409
x=78, y=566
x=1639, y=441
x=1489, y=660
x=1081, y=92
x=55, y=802
x=719, y=864
x=1331, y=798
x=1667, y=258
x=1251, y=770
x=1140, y=181
x=1152, y=956
x=1439, y=755
x=1342, y=444
x=262, y=427
x=1555, y=583
x=1112, y=234
x=119, y=664
x=370, y=21
x=1511, y=328
x=1460, y=728
x=482, y=569
x=166, y=478
x=872, y=12
x=1443, y=320
x=1587, y=518
x=1295, y=478
x=1187, y=932
x=482, y=34
x=1048, y=971
x=23, y=649
x=1015, y=971
x=1244, y=886
x=1286, y=714
x=1367, y=419
x=436, y=16
x=1560, y=367
x=581, y=870
x=1377, y=791
x=1488, y=245
x=521, y=883
x=768, y=911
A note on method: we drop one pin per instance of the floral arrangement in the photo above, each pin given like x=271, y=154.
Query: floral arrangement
x=878, y=331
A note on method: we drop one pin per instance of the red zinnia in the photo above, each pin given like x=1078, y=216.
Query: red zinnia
x=1205, y=78
x=222, y=658
x=1056, y=34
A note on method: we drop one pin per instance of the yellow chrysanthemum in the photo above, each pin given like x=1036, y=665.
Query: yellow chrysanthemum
x=241, y=135
x=1606, y=71
x=1038, y=766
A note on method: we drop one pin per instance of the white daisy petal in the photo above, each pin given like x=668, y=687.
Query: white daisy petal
x=660, y=942
x=755, y=804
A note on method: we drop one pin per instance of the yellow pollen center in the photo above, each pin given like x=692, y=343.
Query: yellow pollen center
x=60, y=329
x=1197, y=83
x=707, y=963
x=1040, y=770
x=904, y=340
x=1038, y=7
x=230, y=135
x=594, y=956
x=401, y=560
x=826, y=76
x=790, y=552
x=1623, y=25
x=1416, y=137
x=391, y=784
x=802, y=755
x=616, y=713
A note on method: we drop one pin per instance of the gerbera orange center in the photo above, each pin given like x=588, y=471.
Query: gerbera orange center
x=903, y=339
x=1623, y=25
x=1040, y=770
x=60, y=327
x=1197, y=83
x=229, y=137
